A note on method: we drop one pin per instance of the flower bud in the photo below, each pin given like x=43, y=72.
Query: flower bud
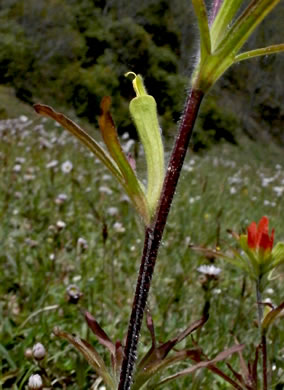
x=39, y=351
x=73, y=294
x=35, y=382
x=29, y=353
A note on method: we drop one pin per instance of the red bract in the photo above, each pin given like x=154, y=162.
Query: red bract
x=258, y=235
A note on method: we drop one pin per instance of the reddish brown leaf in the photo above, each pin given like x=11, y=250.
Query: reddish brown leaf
x=99, y=332
x=221, y=356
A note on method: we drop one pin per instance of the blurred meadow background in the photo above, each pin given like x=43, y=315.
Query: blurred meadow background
x=69, y=238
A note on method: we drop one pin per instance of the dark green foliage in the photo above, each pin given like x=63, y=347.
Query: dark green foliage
x=70, y=54
x=214, y=125
x=78, y=59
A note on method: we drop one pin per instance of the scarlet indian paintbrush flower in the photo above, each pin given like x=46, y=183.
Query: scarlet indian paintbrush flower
x=261, y=257
x=258, y=237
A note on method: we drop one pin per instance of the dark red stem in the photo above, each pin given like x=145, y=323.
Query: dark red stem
x=264, y=361
x=153, y=236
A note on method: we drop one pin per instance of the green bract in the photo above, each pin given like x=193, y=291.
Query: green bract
x=221, y=43
x=143, y=109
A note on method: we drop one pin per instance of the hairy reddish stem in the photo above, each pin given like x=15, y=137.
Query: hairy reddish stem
x=153, y=236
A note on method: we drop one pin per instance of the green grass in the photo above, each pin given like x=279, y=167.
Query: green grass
x=222, y=189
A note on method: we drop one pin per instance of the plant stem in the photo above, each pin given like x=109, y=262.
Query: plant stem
x=154, y=233
x=259, y=303
x=264, y=361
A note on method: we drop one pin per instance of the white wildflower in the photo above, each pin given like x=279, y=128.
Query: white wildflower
x=20, y=160
x=82, y=243
x=278, y=190
x=17, y=168
x=51, y=164
x=124, y=198
x=23, y=118
x=270, y=291
x=267, y=180
x=187, y=240
x=128, y=145
x=60, y=225
x=105, y=190
x=66, y=167
x=188, y=168
x=118, y=227
x=29, y=177
x=35, y=382
x=106, y=177
x=112, y=211
x=267, y=300
x=39, y=351
x=209, y=270
x=233, y=190
x=60, y=199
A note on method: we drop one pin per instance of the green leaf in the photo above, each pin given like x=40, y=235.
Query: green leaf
x=243, y=241
x=259, y=52
x=208, y=72
x=5, y=354
x=278, y=254
x=271, y=317
x=143, y=110
x=205, y=40
x=133, y=187
x=222, y=22
x=244, y=26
